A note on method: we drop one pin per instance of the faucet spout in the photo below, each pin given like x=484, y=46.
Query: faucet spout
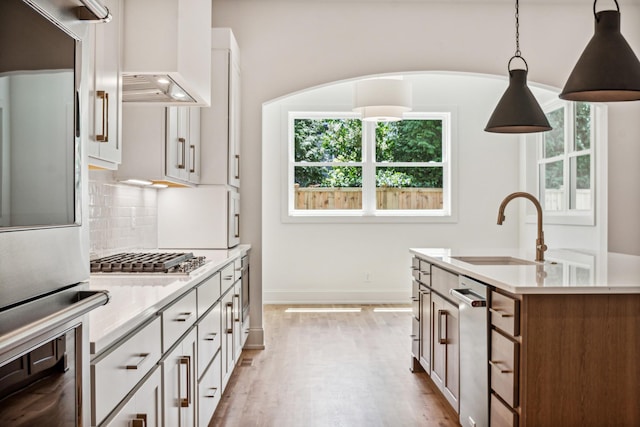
x=540, y=246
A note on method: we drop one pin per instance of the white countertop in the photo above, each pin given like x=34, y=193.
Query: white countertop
x=135, y=298
x=564, y=271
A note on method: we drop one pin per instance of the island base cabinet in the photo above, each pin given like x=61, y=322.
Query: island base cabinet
x=502, y=415
x=445, y=371
x=179, y=383
x=144, y=408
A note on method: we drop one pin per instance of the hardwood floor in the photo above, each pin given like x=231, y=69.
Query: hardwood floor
x=332, y=369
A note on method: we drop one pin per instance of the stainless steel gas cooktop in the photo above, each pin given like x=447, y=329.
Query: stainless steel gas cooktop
x=159, y=262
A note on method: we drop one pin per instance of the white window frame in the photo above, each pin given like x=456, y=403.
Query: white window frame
x=598, y=140
x=368, y=213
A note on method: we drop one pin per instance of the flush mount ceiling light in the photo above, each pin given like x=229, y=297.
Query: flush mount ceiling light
x=518, y=110
x=607, y=70
x=382, y=100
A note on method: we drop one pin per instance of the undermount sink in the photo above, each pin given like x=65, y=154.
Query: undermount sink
x=493, y=260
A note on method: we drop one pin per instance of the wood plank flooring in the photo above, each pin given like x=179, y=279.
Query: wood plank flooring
x=332, y=369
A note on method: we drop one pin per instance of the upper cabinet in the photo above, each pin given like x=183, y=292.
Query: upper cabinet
x=162, y=145
x=104, y=147
x=167, y=51
x=221, y=122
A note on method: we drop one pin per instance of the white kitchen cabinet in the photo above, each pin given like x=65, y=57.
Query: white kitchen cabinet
x=445, y=370
x=209, y=216
x=104, y=144
x=160, y=144
x=143, y=408
x=209, y=391
x=220, y=126
x=179, y=383
x=227, y=347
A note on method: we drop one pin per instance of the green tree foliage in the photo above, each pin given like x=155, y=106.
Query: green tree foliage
x=340, y=140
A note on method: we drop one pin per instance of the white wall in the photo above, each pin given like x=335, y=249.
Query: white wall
x=288, y=46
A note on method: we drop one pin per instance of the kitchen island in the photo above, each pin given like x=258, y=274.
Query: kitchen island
x=563, y=335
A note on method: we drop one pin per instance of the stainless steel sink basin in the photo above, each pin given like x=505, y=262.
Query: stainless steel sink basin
x=493, y=260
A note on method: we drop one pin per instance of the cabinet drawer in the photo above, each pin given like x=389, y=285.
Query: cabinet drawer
x=415, y=337
x=415, y=299
x=210, y=391
x=237, y=268
x=501, y=414
x=442, y=281
x=115, y=374
x=177, y=319
x=227, y=278
x=504, y=367
x=209, y=338
x=505, y=313
x=425, y=273
x=143, y=408
x=415, y=268
x=208, y=293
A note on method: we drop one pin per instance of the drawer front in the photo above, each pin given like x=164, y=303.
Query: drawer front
x=415, y=299
x=415, y=268
x=208, y=293
x=415, y=337
x=117, y=373
x=442, y=281
x=144, y=408
x=209, y=391
x=504, y=368
x=501, y=414
x=177, y=319
x=227, y=278
x=209, y=338
x=425, y=273
x=505, y=313
x=237, y=269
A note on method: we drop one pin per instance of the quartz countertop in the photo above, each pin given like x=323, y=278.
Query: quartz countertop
x=564, y=271
x=135, y=298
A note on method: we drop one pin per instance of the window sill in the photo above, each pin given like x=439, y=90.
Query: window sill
x=357, y=217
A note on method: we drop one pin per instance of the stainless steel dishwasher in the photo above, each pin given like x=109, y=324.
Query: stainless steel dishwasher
x=474, y=371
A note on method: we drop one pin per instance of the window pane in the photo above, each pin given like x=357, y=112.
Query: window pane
x=552, y=185
x=328, y=140
x=409, y=141
x=328, y=187
x=581, y=176
x=409, y=188
x=554, y=139
x=583, y=126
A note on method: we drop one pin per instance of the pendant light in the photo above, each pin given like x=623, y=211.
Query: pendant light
x=382, y=100
x=518, y=110
x=607, y=70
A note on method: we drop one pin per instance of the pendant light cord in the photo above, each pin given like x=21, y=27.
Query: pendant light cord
x=518, y=53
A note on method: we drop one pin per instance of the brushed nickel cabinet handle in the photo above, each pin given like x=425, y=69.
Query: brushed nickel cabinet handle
x=441, y=313
x=237, y=175
x=104, y=96
x=500, y=312
x=237, y=311
x=212, y=395
x=185, y=401
x=192, y=148
x=183, y=317
x=230, y=322
x=496, y=363
x=139, y=421
x=181, y=164
x=237, y=225
x=143, y=357
x=211, y=336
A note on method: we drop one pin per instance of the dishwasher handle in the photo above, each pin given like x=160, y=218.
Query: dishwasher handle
x=468, y=297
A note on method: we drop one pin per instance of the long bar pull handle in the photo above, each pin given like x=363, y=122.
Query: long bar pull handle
x=237, y=312
x=185, y=401
x=104, y=96
x=192, y=148
x=181, y=164
x=212, y=395
x=500, y=312
x=496, y=364
x=237, y=227
x=442, y=340
x=237, y=175
x=230, y=322
x=143, y=357
x=139, y=421
x=183, y=317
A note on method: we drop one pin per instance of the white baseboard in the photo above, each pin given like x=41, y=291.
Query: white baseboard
x=336, y=297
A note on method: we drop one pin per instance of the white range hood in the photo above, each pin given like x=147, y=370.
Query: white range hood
x=167, y=52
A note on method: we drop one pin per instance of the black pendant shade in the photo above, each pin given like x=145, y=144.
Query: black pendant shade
x=607, y=70
x=518, y=110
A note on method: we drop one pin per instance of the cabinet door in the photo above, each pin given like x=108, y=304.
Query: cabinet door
x=104, y=144
x=227, y=337
x=237, y=320
x=177, y=123
x=234, y=123
x=193, y=145
x=144, y=408
x=445, y=370
x=233, y=233
x=179, y=383
x=425, y=330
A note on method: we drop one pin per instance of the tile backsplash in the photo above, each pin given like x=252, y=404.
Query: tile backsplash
x=121, y=217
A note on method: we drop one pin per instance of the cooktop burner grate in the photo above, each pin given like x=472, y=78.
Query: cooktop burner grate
x=147, y=263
